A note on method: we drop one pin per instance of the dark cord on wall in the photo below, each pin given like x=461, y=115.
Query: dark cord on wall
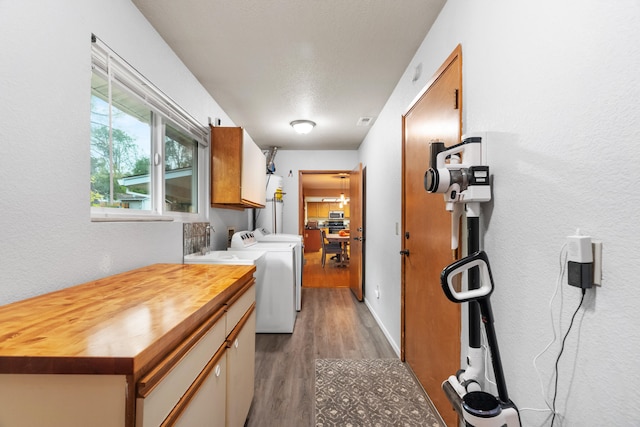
x=555, y=392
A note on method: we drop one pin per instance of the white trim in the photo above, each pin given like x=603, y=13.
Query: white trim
x=114, y=68
x=386, y=333
x=129, y=217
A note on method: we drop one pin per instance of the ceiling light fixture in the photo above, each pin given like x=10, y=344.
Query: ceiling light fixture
x=302, y=126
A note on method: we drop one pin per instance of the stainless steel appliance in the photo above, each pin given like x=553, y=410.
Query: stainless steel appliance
x=335, y=226
x=336, y=214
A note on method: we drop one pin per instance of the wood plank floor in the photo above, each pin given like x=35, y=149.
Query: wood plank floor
x=331, y=276
x=331, y=324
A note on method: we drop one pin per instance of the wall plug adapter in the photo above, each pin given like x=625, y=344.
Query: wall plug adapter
x=580, y=261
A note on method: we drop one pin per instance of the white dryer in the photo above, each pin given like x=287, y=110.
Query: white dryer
x=263, y=235
x=276, y=301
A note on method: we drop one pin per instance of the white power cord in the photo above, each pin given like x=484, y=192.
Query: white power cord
x=563, y=262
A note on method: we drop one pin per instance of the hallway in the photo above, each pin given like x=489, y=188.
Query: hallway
x=331, y=324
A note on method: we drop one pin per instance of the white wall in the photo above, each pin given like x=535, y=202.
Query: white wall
x=303, y=160
x=556, y=86
x=48, y=241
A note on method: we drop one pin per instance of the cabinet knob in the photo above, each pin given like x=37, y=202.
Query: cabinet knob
x=217, y=370
x=236, y=343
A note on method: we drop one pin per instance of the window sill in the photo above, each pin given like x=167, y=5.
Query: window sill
x=129, y=218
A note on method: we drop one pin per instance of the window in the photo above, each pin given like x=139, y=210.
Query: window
x=180, y=170
x=146, y=153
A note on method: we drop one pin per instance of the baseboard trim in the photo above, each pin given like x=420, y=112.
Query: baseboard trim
x=386, y=333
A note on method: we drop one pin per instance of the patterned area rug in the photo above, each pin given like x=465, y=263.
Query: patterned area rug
x=370, y=392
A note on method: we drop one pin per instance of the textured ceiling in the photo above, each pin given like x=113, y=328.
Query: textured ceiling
x=269, y=62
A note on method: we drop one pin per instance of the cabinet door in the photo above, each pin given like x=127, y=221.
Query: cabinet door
x=208, y=406
x=254, y=173
x=62, y=400
x=226, y=164
x=161, y=389
x=238, y=169
x=312, y=209
x=323, y=210
x=241, y=370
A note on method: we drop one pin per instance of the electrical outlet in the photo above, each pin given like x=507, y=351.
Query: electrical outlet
x=597, y=262
x=230, y=232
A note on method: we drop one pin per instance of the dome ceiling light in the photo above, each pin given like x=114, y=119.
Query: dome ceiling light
x=302, y=126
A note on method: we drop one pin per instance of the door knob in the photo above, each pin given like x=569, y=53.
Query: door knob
x=404, y=252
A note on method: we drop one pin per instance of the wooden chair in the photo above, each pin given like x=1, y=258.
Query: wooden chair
x=329, y=248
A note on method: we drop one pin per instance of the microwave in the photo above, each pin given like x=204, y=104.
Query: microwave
x=336, y=214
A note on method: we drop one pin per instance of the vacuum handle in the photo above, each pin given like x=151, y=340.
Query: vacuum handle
x=478, y=259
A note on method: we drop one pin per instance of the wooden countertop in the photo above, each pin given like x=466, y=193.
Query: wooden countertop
x=116, y=325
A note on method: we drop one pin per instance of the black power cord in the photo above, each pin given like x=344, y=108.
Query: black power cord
x=555, y=392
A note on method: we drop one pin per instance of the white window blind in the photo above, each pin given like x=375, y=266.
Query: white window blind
x=112, y=66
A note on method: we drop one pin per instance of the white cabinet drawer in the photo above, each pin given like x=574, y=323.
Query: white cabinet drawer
x=204, y=404
x=237, y=308
x=161, y=389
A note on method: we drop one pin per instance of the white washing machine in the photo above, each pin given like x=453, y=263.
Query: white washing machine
x=263, y=235
x=256, y=258
x=276, y=301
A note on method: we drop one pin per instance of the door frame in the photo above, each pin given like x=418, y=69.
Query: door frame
x=301, y=191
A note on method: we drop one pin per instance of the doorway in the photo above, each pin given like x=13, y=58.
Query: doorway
x=430, y=323
x=331, y=201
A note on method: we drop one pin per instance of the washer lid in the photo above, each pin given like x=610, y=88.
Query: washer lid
x=263, y=235
x=225, y=257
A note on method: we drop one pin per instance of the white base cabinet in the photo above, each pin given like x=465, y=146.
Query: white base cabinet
x=206, y=379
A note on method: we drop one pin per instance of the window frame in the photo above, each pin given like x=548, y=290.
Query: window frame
x=164, y=110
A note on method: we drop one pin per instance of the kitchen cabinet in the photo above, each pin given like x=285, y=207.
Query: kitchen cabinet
x=238, y=170
x=143, y=348
x=312, y=210
x=312, y=240
x=321, y=209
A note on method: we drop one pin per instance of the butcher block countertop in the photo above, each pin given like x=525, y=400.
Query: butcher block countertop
x=118, y=325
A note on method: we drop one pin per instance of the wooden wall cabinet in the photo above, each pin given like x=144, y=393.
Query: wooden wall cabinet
x=312, y=210
x=151, y=354
x=321, y=209
x=238, y=170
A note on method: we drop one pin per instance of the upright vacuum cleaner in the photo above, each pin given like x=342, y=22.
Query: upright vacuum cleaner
x=479, y=408
x=465, y=183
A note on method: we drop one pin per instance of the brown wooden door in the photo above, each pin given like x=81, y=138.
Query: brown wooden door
x=356, y=229
x=430, y=323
